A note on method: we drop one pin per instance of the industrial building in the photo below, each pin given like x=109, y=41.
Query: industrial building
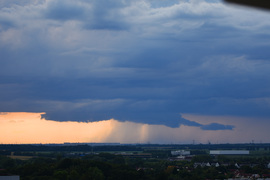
x=229, y=152
x=180, y=153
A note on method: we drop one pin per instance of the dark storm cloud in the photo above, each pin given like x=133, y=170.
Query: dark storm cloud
x=65, y=10
x=105, y=15
x=216, y=126
x=5, y=24
x=140, y=61
x=100, y=14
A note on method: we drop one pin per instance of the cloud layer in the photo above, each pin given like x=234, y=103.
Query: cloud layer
x=142, y=61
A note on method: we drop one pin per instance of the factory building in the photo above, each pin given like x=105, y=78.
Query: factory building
x=229, y=152
x=180, y=152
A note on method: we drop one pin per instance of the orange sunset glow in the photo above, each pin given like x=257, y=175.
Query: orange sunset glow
x=30, y=128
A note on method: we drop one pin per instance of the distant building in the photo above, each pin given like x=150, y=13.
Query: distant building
x=9, y=177
x=180, y=153
x=229, y=152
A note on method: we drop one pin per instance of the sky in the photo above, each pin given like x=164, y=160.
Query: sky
x=30, y=128
x=168, y=70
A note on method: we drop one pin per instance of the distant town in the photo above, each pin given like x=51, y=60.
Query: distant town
x=135, y=161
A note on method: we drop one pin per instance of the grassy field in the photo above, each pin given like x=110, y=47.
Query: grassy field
x=21, y=157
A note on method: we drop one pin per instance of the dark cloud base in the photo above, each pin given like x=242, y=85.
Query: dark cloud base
x=173, y=123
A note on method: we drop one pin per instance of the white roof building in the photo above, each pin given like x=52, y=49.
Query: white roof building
x=229, y=152
x=180, y=152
